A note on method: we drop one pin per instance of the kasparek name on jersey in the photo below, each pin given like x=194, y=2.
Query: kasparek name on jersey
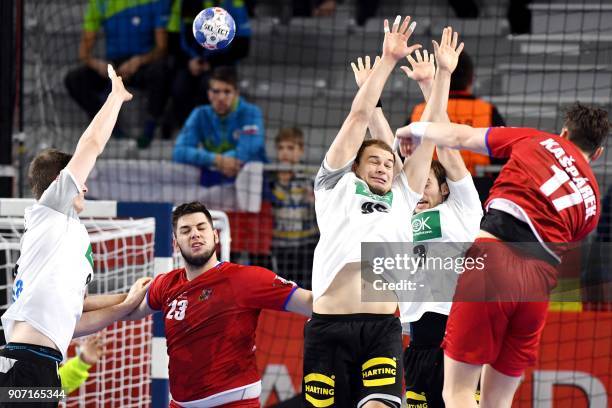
x=579, y=184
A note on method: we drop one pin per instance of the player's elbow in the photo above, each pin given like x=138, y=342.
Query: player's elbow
x=462, y=138
x=359, y=114
x=300, y=302
x=180, y=155
x=304, y=306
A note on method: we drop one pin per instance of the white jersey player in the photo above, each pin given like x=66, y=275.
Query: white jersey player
x=362, y=194
x=449, y=212
x=56, y=262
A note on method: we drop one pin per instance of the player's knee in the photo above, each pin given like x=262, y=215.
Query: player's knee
x=450, y=394
x=447, y=395
x=453, y=396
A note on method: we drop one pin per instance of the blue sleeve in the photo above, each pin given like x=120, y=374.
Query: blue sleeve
x=187, y=149
x=238, y=11
x=162, y=13
x=251, y=145
x=190, y=47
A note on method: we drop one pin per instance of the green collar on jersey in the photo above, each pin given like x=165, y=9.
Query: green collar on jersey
x=363, y=189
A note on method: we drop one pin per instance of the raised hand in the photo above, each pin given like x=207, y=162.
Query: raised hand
x=395, y=44
x=362, y=70
x=92, y=349
x=447, y=52
x=423, y=67
x=407, y=146
x=118, y=87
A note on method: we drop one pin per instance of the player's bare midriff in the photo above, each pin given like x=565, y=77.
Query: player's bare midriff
x=23, y=332
x=344, y=295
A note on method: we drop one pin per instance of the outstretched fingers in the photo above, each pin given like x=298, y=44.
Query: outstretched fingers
x=413, y=48
x=376, y=61
x=419, y=58
x=111, y=72
x=405, y=25
x=411, y=60
x=460, y=48
x=396, y=24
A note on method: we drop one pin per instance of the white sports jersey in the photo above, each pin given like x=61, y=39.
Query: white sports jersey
x=54, y=267
x=455, y=220
x=349, y=214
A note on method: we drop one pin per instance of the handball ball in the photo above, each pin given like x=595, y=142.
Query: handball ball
x=214, y=28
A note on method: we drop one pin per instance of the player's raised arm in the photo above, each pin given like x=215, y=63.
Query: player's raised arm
x=423, y=72
x=353, y=130
x=451, y=135
x=447, y=54
x=92, y=142
x=378, y=124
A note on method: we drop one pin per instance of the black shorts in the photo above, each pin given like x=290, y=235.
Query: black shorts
x=352, y=359
x=26, y=365
x=424, y=362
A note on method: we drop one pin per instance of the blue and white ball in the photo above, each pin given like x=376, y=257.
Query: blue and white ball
x=214, y=28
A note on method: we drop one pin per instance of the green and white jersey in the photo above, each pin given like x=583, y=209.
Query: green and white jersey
x=348, y=213
x=455, y=220
x=54, y=267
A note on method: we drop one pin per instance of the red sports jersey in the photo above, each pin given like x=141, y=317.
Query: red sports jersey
x=547, y=183
x=210, y=325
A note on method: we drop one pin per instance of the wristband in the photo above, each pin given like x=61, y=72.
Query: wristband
x=417, y=129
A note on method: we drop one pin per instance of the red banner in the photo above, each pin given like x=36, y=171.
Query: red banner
x=573, y=370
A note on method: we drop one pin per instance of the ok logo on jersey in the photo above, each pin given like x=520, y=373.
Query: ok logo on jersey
x=369, y=207
x=177, y=309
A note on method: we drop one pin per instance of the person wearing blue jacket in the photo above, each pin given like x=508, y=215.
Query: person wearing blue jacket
x=224, y=135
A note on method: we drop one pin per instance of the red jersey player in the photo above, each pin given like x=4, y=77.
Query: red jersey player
x=546, y=193
x=211, y=310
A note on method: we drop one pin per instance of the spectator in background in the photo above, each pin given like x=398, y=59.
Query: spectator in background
x=295, y=233
x=193, y=63
x=136, y=43
x=223, y=136
x=76, y=370
x=467, y=109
